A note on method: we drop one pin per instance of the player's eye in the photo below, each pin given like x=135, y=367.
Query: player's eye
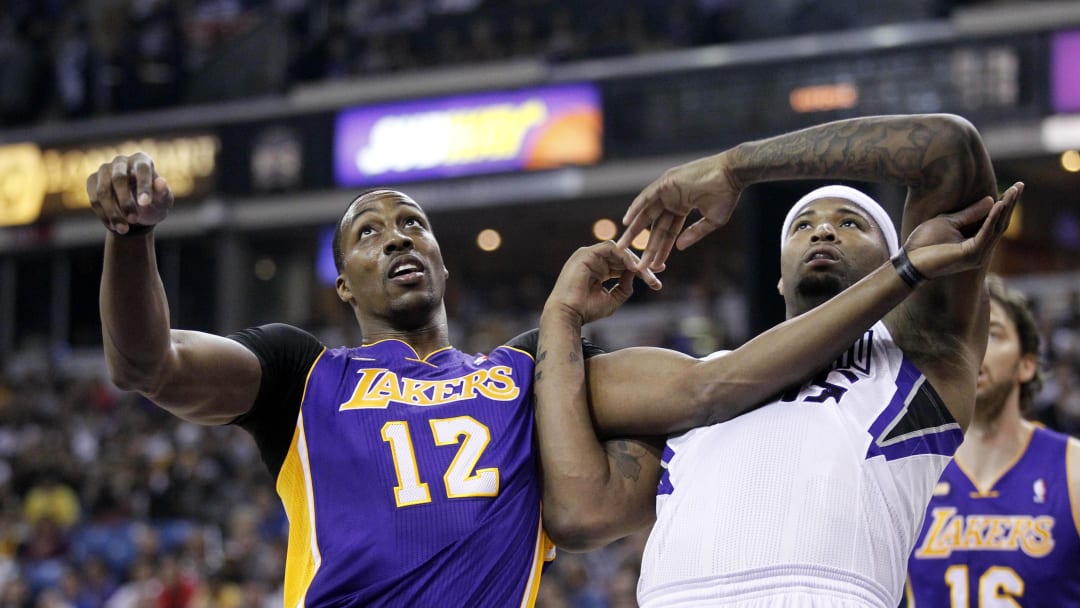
x=365, y=231
x=803, y=225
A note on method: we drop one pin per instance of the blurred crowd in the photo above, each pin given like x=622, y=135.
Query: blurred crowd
x=65, y=59
x=105, y=500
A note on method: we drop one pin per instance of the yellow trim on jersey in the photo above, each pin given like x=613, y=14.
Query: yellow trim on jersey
x=294, y=488
x=909, y=593
x=417, y=357
x=524, y=352
x=989, y=492
x=1074, y=500
x=302, y=560
x=543, y=547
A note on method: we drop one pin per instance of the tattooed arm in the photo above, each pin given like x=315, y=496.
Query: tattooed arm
x=939, y=158
x=594, y=493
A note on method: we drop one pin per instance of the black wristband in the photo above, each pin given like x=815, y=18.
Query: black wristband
x=907, y=271
x=135, y=230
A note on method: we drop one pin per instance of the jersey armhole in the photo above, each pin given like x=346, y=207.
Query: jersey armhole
x=1072, y=467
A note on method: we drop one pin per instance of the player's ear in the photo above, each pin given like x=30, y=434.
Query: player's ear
x=343, y=290
x=780, y=286
x=1029, y=364
x=446, y=272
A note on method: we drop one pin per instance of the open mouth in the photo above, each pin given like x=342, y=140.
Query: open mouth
x=406, y=270
x=822, y=255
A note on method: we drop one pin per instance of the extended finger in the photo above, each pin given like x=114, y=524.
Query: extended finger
x=642, y=221
x=635, y=266
x=697, y=231
x=1011, y=199
x=640, y=203
x=662, y=237
x=972, y=213
x=991, y=228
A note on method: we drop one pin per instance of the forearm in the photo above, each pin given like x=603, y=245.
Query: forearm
x=134, y=312
x=921, y=152
x=584, y=502
x=789, y=353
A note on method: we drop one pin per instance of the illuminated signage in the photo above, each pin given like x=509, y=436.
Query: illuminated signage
x=824, y=97
x=486, y=133
x=35, y=183
x=1065, y=71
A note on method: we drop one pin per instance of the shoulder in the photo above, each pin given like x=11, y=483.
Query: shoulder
x=1072, y=474
x=528, y=342
x=1072, y=466
x=276, y=335
x=283, y=351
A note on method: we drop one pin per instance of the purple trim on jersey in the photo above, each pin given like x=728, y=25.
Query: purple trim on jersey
x=943, y=438
x=665, y=487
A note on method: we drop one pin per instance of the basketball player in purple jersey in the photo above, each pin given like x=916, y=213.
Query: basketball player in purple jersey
x=1003, y=526
x=407, y=468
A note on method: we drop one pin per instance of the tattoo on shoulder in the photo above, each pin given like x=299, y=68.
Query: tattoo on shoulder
x=574, y=357
x=626, y=455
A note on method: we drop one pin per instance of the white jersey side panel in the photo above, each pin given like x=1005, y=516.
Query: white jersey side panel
x=821, y=491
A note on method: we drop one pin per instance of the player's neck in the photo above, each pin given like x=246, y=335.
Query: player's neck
x=424, y=339
x=992, y=446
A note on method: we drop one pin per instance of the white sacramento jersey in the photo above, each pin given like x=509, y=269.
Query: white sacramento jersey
x=812, y=500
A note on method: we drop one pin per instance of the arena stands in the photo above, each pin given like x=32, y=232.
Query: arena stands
x=107, y=501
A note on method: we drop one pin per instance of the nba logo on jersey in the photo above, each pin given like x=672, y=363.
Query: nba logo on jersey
x=1039, y=487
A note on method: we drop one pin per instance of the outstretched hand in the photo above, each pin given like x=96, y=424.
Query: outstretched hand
x=580, y=288
x=127, y=191
x=938, y=247
x=704, y=185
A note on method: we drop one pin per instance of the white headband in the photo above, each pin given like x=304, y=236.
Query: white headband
x=861, y=200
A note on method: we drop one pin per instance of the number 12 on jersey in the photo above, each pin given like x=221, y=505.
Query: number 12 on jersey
x=461, y=479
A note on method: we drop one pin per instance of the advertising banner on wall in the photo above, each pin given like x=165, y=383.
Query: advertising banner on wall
x=38, y=182
x=523, y=130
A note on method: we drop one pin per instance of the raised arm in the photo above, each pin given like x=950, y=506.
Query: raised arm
x=939, y=158
x=199, y=377
x=650, y=390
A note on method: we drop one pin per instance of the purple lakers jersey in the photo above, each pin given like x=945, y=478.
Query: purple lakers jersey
x=412, y=482
x=1014, y=544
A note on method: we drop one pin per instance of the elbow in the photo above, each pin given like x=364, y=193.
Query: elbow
x=128, y=378
x=976, y=173
x=715, y=398
x=574, y=530
x=131, y=383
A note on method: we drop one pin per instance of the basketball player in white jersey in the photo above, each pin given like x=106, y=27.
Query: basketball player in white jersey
x=816, y=498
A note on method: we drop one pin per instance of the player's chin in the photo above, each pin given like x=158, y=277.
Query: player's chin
x=822, y=285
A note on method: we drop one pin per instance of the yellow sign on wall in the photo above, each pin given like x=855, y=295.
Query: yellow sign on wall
x=22, y=184
x=36, y=183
